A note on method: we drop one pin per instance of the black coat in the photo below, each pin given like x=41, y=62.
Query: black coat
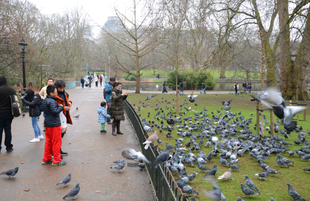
x=51, y=110
x=34, y=105
x=117, y=108
x=5, y=96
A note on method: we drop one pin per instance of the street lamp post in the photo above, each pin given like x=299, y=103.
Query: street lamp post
x=23, y=46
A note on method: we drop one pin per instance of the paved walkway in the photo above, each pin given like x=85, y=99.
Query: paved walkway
x=90, y=156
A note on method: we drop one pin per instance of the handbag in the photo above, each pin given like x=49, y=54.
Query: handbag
x=63, y=121
x=16, y=111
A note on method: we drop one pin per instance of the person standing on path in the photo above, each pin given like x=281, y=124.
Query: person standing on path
x=96, y=78
x=244, y=85
x=249, y=86
x=42, y=92
x=52, y=128
x=165, y=87
x=82, y=82
x=100, y=79
x=117, y=108
x=89, y=79
x=102, y=116
x=63, y=99
x=236, y=87
x=6, y=116
x=182, y=87
x=107, y=93
x=33, y=101
x=203, y=87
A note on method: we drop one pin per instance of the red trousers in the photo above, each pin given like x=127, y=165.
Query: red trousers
x=52, y=144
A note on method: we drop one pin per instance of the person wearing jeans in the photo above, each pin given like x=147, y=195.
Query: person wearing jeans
x=33, y=101
x=6, y=116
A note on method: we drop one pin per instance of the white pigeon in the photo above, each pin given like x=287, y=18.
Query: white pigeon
x=134, y=155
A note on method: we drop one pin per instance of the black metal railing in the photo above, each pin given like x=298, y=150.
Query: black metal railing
x=162, y=180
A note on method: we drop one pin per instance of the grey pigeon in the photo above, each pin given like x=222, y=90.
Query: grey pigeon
x=250, y=183
x=119, y=165
x=262, y=175
x=212, y=171
x=293, y=193
x=162, y=157
x=247, y=191
x=73, y=192
x=11, y=173
x=77, y=116
x=202, y=167
x=189, y=190
x=307, y=169
x=65, y=180
x=239, y=199
x=134, y=155
x=150, y=96
x=306, y=157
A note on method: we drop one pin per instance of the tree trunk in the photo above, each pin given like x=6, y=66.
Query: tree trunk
x=270, y=63
x=287, y=82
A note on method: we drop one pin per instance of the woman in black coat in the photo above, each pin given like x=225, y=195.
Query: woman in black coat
x=33, y=101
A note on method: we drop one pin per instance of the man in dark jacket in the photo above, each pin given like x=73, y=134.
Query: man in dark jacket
x=82, y=82
x=52, y=128
x=6, y=116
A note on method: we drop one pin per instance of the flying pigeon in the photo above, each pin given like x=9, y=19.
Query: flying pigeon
x=119, y=165
x=247, y=191
x=65, y=180
x=134, y=155
x=273, y=99
x=11, y=173
x=293, y=193
x=73, y=192
x=226, y=175
x=150, y=140
x=192, y=97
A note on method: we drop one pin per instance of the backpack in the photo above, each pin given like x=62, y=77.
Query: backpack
x=41, y=103
x=16, y=111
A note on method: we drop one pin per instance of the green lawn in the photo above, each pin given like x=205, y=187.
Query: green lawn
x=274, y=186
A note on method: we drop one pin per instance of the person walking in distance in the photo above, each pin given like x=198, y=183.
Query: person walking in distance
x=236, y=87
x=117, y=108
x=249, y=86
x=82, y=82
x=100, y=79
x=52, y=128
x=6, y=116
x=107, y=93
x=182, y=87
x=203, y=88
x=165, y=87
x=33, y=101
x=96, y=78
x=89, y=79
x=63, y=99
x=244, y=85
x=102, y=116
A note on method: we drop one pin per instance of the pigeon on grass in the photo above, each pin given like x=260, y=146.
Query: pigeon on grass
x=65, y=180
x=293, y=193
x=10, y=173
x=73, y=193
x=262, y=175
x=134, y=155
x=250, y=184
x=119, y=165
x=212, y=171
x=226, y=175
x=247, y=191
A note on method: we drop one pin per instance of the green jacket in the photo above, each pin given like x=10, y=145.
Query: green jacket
x=117, y=108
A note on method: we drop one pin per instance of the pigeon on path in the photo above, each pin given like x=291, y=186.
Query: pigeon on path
x=226, y=175
x=11, y=173
x=247, y=191
x=76, y=116
x=119, y=165
x=150, y=140
x=65, y=180
x=293, y=193
x=134, y=155
x=73, y=192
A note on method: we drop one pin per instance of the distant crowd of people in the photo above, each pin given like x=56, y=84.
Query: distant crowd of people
x=97, y=78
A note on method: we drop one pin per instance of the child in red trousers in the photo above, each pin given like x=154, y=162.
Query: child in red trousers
x=52, y=128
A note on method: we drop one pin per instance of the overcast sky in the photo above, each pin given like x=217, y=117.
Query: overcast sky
x=98, y=10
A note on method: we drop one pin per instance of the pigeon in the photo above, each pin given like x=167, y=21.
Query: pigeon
x=307, y=169
x=162, y=157
x=293, y=193
x=250, y=184
x=150, y=140
x=189, y=190
x=73, y=192
x=77, y=108
x=305, y=157
x=262, y=175
x=273, y=99
x=239, y=199
x=192, y=97
x=212, y=171
x=11, y=173
x=202, y=167
x=76, y=116
x=134, y=155
x=150, y=96
x=247, y=191
x=65, y=180
x=119, y=165
x=226, y=175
